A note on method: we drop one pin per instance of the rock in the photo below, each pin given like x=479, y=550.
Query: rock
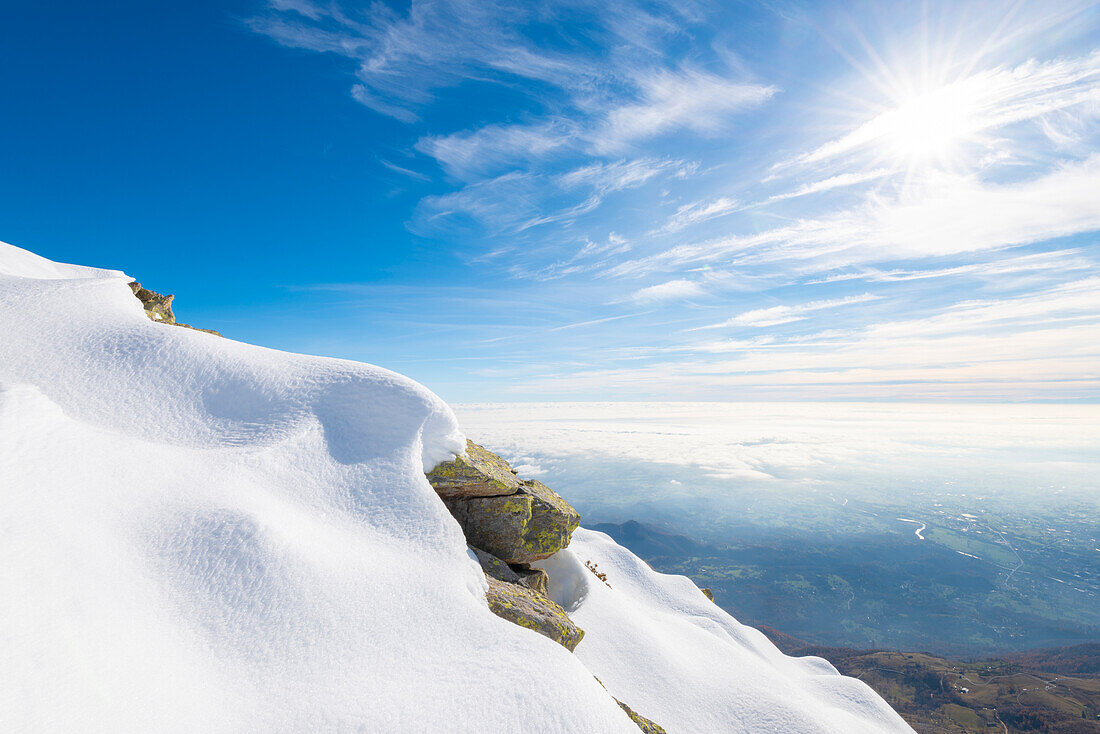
x=532, y=524
x=707, y=593
x=477, y=473
x=535, y=579
x=493, y=566
x=518, y=521
x=159, y=308
x=553, y=520
x=527, y=608
x=496, y=524
x=643, y=723
x=520, y=597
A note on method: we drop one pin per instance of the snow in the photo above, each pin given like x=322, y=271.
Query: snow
x=203, y=535
x=683, y=662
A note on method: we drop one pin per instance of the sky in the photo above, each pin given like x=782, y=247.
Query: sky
x=618, y=200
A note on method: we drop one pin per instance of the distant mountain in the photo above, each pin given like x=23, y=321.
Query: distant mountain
x=648, y=542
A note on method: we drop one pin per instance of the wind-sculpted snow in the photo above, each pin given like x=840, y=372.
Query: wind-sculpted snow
x=200, y=535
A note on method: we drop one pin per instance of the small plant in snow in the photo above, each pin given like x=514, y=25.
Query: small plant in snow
x=594, y=568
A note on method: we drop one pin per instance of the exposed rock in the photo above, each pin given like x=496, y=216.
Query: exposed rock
x=553, y=520
x=159, y=307
x=509, y=523
x=514, y=597
x=477, y=473
x=518, y=521
x=532, y=524
x=643, y=723
x=707, y=593
x=493, y=566
x=528, y=608
x=535, y=579
x=497, y=524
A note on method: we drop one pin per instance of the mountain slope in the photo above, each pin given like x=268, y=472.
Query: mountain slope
x=203, y=535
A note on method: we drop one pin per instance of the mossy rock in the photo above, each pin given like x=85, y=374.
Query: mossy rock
x=532, y=524
x=643, y=723
x=159, y=308
x=553, y=520
x=476, y=473
x=534, y=579
x=527, y=608
x=496, y=524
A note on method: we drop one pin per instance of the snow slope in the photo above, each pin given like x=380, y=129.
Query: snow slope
x=203, y=535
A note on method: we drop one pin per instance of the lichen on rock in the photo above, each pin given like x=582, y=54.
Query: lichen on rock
x=518, y=521
x=642, y=722
x=513, y=598
x=476, y=473
x=528, y=608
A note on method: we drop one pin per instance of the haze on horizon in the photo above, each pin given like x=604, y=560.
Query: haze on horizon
x=573, y=201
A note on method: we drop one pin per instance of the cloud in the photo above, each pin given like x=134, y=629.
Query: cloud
x=777, y=315
x=670, y=100
x=794, y=445
x=833, y=182
x=947, y=214
x=700, y=211
x=1043, y=343
x=471, y=154
x=605, y=178
x=673, y=289
x=1058, y=261
x=404, y=171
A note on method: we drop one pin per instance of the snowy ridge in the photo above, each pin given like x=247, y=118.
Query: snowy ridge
x=203, y=535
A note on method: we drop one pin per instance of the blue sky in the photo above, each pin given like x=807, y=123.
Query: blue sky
x=571, y=200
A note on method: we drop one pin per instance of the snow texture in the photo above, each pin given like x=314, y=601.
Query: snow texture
x=678, y=659
x=203, y=535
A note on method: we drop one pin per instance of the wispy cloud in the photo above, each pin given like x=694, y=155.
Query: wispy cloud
x=673, y=289
x=833, y=182
x=1060, y=261
x=671, y=100
x=947, y=214
x=776, y=315
x=471, y=154
x=612, y=176
x=700, y=211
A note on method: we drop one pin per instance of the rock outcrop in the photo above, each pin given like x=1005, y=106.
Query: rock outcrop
x=477, y=473
x=508, y=523
x=647, y=726
x=518, y=521
x=521, y=599
x=159, y=307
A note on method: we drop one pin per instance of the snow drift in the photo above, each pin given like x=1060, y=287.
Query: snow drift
x=203, y=535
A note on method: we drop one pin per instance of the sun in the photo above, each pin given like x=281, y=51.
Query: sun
x=928, y=128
